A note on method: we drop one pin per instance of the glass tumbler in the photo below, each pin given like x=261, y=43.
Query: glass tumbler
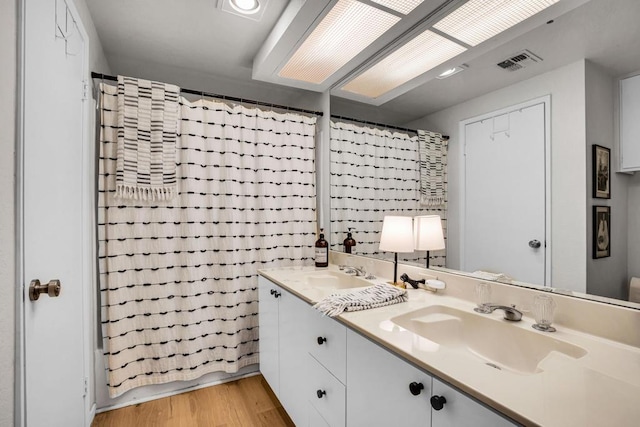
x=544, y=308
x=483, y=297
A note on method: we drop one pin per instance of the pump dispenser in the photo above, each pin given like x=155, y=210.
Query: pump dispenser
x=322, y=251
x=349, y=242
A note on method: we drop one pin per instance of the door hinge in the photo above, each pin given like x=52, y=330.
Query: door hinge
x=86, y=386
x=85, y=90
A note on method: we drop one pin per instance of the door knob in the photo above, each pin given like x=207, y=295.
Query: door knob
x=52, y=289
x=535, y=244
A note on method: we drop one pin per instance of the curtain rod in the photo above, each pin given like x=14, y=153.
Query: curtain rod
x=101, y=76
x=334, y=116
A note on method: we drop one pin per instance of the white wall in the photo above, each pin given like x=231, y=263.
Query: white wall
x=605, y=276
x=191, y=79
x=8, y=34
x=566, y=85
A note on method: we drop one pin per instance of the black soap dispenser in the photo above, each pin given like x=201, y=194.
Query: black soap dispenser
x=348, y=243
x=322, y=251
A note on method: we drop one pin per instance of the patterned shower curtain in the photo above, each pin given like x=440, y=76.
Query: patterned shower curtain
x=376, y=172
x=178, y=280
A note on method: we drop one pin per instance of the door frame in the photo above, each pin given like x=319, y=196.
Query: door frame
x=546, y=101
x=88, y=246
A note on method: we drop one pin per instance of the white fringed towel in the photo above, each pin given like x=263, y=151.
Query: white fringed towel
x=147, y=138
x=379, y=295
x=433, y=149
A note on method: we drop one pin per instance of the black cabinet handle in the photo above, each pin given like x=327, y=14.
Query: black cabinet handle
x=320, y=393
x=437, y=402
x=277, y=294
x=273, y=291
x=321, y=340
x=416, y=388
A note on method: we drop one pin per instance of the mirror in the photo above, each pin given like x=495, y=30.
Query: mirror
x=584, y=54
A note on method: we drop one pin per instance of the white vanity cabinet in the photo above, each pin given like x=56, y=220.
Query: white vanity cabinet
x=460, y=410
x=379, y=392
x=326, y=374
x=385, y=390
x=284, y=332
x=630, y=124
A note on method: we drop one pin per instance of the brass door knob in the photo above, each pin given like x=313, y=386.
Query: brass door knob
x=52, y=289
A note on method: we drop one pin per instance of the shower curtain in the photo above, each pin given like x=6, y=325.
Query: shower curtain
x=178, y=278
x=376, y=172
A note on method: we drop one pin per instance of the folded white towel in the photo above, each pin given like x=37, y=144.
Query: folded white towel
x=375, y=296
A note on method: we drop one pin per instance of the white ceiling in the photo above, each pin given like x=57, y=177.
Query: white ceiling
x=197, y=37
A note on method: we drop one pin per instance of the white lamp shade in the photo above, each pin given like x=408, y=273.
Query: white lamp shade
x=397, y=234
x=428, y=233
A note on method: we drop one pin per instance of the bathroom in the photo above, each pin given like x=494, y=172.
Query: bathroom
x=581, y=81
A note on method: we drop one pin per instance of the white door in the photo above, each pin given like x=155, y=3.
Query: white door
x=504, y=195
x=52, y=193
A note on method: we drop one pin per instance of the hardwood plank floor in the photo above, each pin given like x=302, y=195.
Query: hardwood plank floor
x=242, y=403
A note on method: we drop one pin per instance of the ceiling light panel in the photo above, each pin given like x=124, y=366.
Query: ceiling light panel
x=479, y=20
x=402, y=6
x=421, y=54
x=342, y=34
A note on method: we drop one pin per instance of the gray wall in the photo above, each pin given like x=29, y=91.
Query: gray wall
x=8, y=34
x=605, y=276
x=566, y=85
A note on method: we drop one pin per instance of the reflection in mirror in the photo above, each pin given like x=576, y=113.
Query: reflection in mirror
x=377, y=172
x=584, y=55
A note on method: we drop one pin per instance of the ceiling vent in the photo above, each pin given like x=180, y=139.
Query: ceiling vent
x=519, y=61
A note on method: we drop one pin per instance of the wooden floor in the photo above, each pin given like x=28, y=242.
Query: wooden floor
x=246, y=402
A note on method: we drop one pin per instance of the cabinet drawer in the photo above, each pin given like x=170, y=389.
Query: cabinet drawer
x=328, y=344
x=326, y=394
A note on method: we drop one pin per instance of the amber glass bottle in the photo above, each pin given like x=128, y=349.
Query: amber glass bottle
x=322, y=251
x=349, y=243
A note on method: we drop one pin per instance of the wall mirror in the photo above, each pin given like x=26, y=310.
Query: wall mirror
x=582, y=55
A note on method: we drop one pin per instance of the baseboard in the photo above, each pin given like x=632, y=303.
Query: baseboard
x=177, y=391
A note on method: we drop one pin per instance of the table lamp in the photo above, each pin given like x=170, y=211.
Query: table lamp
x=427, y=231
x=396, y=236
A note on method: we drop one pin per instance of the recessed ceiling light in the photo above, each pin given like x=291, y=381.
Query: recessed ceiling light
x=479, y=20
x=245, y=6
x=451, y=71
x=251, y=9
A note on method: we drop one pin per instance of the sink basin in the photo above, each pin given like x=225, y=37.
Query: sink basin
x=331, y=280
x=497, y=342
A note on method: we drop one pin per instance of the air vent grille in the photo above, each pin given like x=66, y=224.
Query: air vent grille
x=519, y=61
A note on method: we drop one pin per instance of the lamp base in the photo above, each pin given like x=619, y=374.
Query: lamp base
x=400, y=285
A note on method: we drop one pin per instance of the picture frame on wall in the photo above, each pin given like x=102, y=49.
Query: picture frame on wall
x=601, y=231
x=601, y=172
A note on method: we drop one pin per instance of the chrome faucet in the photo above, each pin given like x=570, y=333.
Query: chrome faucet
x=358, y=271
x=510, y=313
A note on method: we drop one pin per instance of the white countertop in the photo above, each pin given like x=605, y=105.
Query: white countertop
x=601, y=388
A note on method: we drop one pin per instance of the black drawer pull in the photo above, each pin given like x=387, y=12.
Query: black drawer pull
x=321, y=340
x=320, y=393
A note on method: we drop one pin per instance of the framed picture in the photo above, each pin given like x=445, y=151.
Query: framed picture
x=601, y=231
x=601, y=172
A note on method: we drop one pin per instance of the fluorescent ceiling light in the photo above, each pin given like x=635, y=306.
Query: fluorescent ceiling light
x=245, y=6
x=402, y=6
x=423, y=53
x=479, y=20
x=342, y=34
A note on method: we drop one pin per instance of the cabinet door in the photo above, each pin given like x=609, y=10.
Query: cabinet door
x=460, y=410
x=294, y=327
x=328, y=343
x=325, y=393
x=378, y=392
x=629, y=124
x=268, y=323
